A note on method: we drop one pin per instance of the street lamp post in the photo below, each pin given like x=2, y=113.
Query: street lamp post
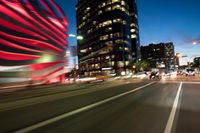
x=74, y=53
x=177, y=59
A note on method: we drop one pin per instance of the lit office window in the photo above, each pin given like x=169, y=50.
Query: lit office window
x=132, y=30
x=133, y=25
x=124, y=22
x=123, y=2
x=100, y=12
x=133, y=36
x=116, y=7
x=120, y=64
x=94, y=22
x=118, y=20
x=113, y=1
x=108, y=9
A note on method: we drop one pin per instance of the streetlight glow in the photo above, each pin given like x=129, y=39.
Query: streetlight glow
x=79, y=38
x=194, y=43
x=72, y=35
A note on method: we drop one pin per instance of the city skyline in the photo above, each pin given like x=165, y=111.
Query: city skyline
x=178, y=22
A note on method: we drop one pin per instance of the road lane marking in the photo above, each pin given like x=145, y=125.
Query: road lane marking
x=170, y=121
x=191, y=82
x=51, y=96
x=88, y=107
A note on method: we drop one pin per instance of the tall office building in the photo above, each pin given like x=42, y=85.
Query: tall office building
x=33, y=41
x=111, y=36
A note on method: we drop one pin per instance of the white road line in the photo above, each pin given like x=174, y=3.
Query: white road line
x=170, y=121
x=17, y=86
x=191, y=82
x=88, y=107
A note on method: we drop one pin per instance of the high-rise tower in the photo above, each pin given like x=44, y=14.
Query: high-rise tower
x=111, y=37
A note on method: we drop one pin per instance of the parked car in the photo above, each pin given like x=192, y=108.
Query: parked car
x=190, y=72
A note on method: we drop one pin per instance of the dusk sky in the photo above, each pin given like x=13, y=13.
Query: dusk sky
x=177, y=21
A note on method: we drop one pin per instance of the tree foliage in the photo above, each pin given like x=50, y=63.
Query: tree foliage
x=142, y=65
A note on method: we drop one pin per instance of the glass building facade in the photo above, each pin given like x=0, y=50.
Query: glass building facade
x=111, y=36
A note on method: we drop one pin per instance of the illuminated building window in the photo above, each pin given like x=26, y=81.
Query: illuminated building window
x=120, y=64
x=108, y=9
x=136, y=16
x=116, y=7
x=133, y=25
x=106, y=23
x=103, y=4
x=118, y=20
x=83, y=50
x=127, y=63
x=105, y=37
x=109, y=43
x=133, y=36
x=119, y=41
x=89, y=31
x=100, y=12
x=124, y=22
x=113, y=63
x=132, y=30
x=123, y=2
x=118, y=34
x=113, y=1
x=88, y=8
x=107, y=57
x=111, y=35
x=123, y=9
x=94, y=22
x=126, y=49
x=84, y=18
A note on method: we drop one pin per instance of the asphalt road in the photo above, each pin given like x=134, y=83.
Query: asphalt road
x=123, y=106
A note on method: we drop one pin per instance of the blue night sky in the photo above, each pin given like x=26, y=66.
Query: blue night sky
x=160, y=21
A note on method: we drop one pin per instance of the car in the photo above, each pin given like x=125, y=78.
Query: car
x=190, y=72
x=155, y=74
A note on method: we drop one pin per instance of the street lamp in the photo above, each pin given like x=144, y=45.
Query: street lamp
x=194, y=43
x=78, y=37
x=74, y=52
x=178, y=56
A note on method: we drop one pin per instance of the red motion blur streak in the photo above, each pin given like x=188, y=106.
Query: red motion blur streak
x=54, y=15
x=60, y=11
x=36, y=67
x=32, y=42
x=37, y=25
x=47, y=75
x=10, y=44
x=17, y=56
x=32, y=19
x=21, y=20
x=46, y=22
x=12, y=26
x=7, y=36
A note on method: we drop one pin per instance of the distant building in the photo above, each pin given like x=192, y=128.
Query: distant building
x=159, y=55
x=111, y=36
x=197, y=62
